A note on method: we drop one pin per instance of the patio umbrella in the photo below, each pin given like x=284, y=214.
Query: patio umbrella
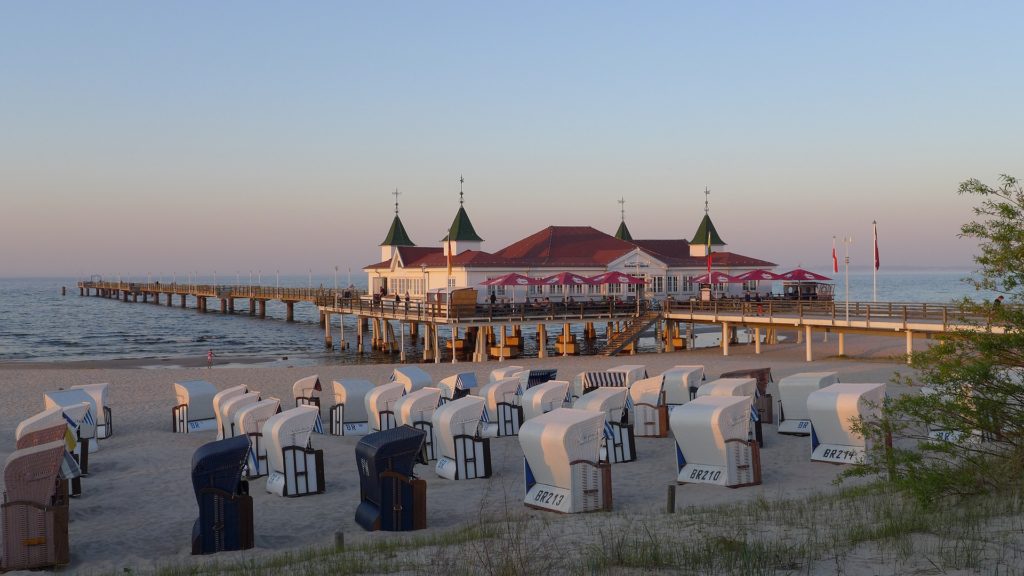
x=615, y=278
x=801, y=275
x=716, y=277
x=758, y=275
x=565, y=279
x=512, y=279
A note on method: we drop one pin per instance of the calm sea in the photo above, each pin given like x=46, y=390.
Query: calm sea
x=37, y=324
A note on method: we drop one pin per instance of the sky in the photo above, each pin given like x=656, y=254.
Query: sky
x=156, y=138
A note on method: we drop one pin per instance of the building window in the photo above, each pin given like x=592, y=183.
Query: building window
x=687, y=283
x=658, y=284
x=577, y=289
x=451, y=283
x=499, y=290
x=750, y=285
x=533, y=290
x=555, y=288
x=672, y=283
x=615, y=288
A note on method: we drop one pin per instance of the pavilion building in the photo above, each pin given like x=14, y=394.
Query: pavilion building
x=668, y=266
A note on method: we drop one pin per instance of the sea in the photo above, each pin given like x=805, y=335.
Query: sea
x=38, y=324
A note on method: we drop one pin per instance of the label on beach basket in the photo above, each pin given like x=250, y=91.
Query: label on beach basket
x=202, y=425
x=549, y=498
x=798, y=427
x=355, y=429
x=703, y=474
x=446, y=468
x=837, y=454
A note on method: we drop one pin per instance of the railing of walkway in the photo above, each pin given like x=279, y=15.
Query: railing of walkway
x=859, y=311
x=518, y=312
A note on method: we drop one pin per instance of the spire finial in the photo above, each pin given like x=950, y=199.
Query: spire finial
x=396, y=193
x=706, y=194
x=461, y=180
x=622, y=208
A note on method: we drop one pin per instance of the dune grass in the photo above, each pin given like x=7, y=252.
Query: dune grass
x=825, y=533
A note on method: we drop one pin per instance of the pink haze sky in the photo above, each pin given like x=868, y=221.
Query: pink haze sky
x=144, y=138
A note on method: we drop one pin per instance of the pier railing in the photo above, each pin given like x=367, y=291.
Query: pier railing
x=417, y=310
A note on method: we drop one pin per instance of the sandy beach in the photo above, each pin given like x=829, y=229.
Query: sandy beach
x=138, y=507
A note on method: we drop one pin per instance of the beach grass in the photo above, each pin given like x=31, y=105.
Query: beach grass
x=822, y=533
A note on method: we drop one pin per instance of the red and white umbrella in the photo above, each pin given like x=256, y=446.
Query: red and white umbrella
x=615, y=278
x=801, y=275
x=715, y=277
x=758, y=275
x=565, y=279
x=512, y=279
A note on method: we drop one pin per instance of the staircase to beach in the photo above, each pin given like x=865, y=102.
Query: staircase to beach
x=632, y=331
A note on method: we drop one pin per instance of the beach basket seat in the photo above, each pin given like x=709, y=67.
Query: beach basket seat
x=590, y=381
x=456, y=386
x=411, y=377
x=296, y=469
x=193, y=411
x=504, y=414
x=544, y=398
x=249, y=421
x=503, y=373
x=739, y=386
x=531, y=378
x=763, y=402
x=380, y=405
x=229, y=409
x=78, y=416
x=832, y=411
x=416, y=409
x=348, y=415
x=102, y=412
x=633, y=372
x=48, y=426
x=562, y=466
x=619, y=441
x=462, y=453
x=391, y=498
x=649, y=411
x=681, y=383
x=218, y=401
x=70, y=401
x=712, y=442
x=307, y=391
x=793, y=393
x=225, y=520
x=35, y=508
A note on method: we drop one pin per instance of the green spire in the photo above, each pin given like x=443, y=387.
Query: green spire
x=397, y=235
x=706, y=230
x=462, y=229
x=623, y=233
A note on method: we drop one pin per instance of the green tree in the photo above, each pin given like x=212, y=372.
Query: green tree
x=965, y=436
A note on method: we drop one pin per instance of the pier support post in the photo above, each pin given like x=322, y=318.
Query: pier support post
x=725, y=338
x=910, y=345
x=181, y=300
x=842, y=344
x=262, y=309
x=290, y=311
x=327, y=332
x=170, y=297
x=437, y=344
x=428, y=343
x=401, y=346
x=124, y=295
x=757, y=340
x=223, y=306
x=252, y=306
x=455, y=339
x=542, y=341
x=807, y=342
x=341, y=325
x=201, y=304
x=670, y=336
x=323, y=318
x=231, y=305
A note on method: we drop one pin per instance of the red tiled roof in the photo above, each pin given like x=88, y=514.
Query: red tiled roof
x=677, y=253
x=566, y=246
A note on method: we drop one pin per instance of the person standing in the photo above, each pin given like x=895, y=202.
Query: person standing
x=209, y=358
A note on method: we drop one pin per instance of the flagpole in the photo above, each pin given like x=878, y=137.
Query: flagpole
x=846, y=281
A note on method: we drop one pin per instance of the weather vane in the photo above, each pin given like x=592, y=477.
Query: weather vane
x=461, y=180
x=707, y=193
x=396, y=194
x=622, y=208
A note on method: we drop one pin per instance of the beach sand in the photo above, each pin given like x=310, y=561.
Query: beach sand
x=138, y=507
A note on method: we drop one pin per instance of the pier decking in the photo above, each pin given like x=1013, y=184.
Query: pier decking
x=487, y=327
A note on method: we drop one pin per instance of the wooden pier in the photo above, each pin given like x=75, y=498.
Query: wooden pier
x=482, y=332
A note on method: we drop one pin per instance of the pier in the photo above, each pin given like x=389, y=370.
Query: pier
x=479, y=332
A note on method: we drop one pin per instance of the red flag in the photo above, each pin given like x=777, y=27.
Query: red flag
x=449, y=254
x=874, y=226
x=709, y=253
x=835, y=259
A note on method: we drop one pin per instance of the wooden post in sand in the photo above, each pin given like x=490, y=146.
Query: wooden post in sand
x=542, y=341
x=842, y=344
x=757, y=340
x=807, y=342
x=725, y=338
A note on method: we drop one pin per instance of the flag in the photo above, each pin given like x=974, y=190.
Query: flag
x=318, y=424
x=89, y=420
x=519, y=389
x=629, y=402
x=485, y=417
x=755, y=416
x=449, y=238
x=709, y=255
x=609, y=432
x=254, y=461
x=874, y=226
x=835, y=259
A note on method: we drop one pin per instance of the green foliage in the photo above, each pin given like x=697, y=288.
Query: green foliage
x=965, y=435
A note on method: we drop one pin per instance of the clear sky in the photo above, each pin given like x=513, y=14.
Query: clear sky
x=146, y=137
